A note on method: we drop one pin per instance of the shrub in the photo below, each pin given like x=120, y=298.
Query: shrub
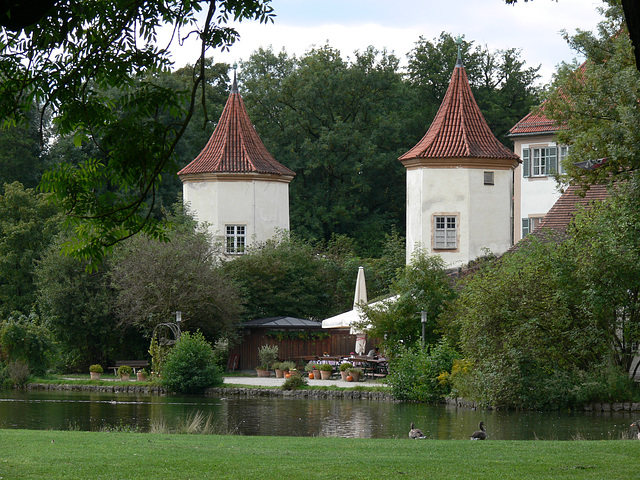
x=26, y=340
x=325, y=367
x=419, y=375
x=96, y=368
x=190, y=367
x=295, y=382
x=18, y=373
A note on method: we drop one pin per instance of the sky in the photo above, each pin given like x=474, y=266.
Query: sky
x=533, y=27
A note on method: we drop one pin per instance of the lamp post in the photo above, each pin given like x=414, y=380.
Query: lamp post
x=178, y=320
x=423, y=319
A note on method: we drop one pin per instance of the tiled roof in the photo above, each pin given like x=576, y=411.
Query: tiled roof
x=234, y=146
x=534, y=123
x=459, y=129
x=560, y=215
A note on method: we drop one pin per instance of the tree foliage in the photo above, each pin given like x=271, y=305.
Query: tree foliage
x=78, y=307
x=28, y=224
x=338, y=124
x=95, y=65
x=423, y=285
x=598, y=104
x=155, y=279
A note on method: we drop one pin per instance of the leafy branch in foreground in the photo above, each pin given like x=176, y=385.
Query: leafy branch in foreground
x=95, y=65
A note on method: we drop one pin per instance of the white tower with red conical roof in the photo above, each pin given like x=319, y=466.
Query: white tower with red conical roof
x=235, y=185
x=459, y=182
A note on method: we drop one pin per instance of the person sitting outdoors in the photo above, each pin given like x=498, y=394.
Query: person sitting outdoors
x=373, y=352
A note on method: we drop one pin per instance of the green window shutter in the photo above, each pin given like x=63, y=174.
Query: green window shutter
x=552, y=158
x=526, y=163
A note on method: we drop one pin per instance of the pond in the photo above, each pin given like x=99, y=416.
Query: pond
x=281, y=416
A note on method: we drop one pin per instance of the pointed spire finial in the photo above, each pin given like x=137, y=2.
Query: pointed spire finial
x=234, y=86
x=459, y=43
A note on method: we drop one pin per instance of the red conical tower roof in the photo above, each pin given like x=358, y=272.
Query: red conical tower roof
x=459, y=130
x=234, y=146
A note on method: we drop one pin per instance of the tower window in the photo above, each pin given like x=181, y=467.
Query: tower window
x=445, y=232
x=488, y=178
x=235, y=239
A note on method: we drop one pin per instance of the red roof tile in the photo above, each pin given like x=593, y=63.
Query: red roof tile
x=534, y=123
x=459, y=129
x=234, y=146
x=561, y=214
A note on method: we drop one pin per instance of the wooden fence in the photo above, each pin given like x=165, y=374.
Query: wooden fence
x=338, y=342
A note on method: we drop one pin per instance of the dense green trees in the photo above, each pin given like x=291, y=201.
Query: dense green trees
x=28, y=223
x=339, y=125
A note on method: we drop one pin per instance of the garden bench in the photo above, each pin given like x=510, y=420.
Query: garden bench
x=135, y=364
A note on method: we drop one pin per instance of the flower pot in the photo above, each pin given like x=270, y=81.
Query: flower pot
x=325, y=374
x=279, y=373
x=95, y=375
x=125, y=378
x=317, y=375
x=344, y=376
x=355, y=375
x=142, y=377
x=263, y=373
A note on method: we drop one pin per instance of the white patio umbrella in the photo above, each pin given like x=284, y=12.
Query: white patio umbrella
x=361, y=289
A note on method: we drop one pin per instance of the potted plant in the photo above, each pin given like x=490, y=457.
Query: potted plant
x=325, y=371
x=344, y=367
x=95, y=371
x=142, y=375
x=310, y=368
x=124, y=372
x=355, y=373
x=267, y=355
x=278, y=368
x=287, y=366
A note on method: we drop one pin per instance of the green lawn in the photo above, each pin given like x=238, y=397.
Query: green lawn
x=30, y=454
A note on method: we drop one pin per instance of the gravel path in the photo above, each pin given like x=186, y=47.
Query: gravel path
x=276, y=382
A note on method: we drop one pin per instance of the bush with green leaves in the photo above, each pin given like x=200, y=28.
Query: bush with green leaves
x=294, y=382
x=190, y=367
x=416, y=374
x=26, y=340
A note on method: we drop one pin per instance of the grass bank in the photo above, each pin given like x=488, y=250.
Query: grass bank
x=52, y=455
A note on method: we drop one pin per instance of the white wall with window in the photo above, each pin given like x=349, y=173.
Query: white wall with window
x=239, y=209
x=457, y=213
x=535, y=185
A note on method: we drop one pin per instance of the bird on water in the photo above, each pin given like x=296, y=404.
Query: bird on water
x=415, y=433
x=479, y=434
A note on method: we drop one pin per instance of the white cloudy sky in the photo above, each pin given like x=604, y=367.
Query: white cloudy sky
x=348, y=25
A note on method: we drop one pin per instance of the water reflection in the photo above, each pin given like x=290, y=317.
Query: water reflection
x=298, y=417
